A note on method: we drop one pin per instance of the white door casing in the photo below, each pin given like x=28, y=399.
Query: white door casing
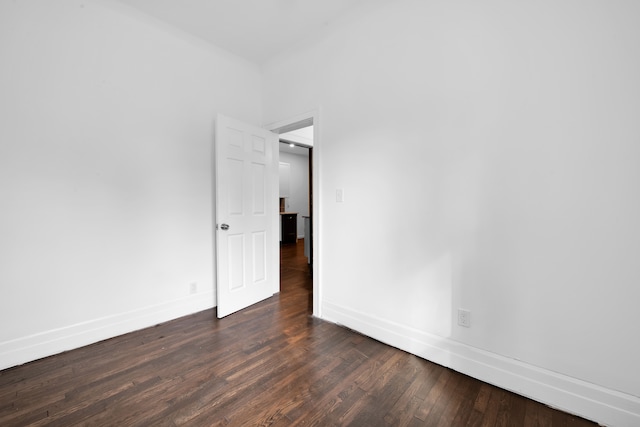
x=247, y=253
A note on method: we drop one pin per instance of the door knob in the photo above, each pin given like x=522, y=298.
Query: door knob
x=224, y=226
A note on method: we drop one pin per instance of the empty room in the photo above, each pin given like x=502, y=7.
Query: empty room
x=472, y=235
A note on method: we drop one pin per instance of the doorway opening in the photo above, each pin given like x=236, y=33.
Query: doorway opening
x=295, y=191
x=298, y=138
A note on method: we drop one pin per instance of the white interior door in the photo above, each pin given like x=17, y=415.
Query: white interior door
x=247, y=241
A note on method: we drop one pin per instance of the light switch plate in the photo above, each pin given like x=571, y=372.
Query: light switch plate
x=339, y=195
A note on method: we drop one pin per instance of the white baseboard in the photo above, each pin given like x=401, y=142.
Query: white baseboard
x=33, y=347
x=602, y=405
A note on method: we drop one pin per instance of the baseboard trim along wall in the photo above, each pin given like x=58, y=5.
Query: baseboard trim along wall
x=33, y=347
x=602, y=405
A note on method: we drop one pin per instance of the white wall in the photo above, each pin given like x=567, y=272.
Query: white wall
x=489, y=156
x=105, y=171
x=299, y=186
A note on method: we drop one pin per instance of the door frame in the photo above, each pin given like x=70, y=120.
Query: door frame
x=307, y=119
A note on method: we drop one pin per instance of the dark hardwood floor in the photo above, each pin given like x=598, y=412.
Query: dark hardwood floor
x=269, y=365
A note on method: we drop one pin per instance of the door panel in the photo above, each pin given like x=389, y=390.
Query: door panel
x=259, y=188
x=247, y=252
x=235, y=253
x=234, y=173
x=259, y=257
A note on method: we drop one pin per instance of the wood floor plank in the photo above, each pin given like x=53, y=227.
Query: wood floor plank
x=468, y=392
x=272, y=364
x=456, y=409
x=437, y=413
x=408, y=404
x=537, y=415
x=490, y=415
x=438, y=389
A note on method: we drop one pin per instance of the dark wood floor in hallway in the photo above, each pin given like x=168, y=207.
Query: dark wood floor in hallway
x=272, y=364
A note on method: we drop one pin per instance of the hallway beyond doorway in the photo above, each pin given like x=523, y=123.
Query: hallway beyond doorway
x=295, y=273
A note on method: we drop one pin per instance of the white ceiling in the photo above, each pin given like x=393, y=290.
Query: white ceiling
x=253, y=29
x=302, y=136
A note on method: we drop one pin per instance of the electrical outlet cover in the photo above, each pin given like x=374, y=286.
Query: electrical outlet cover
x=464, y=318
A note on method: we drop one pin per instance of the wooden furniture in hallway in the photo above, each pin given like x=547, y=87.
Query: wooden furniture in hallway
x=289, y=227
